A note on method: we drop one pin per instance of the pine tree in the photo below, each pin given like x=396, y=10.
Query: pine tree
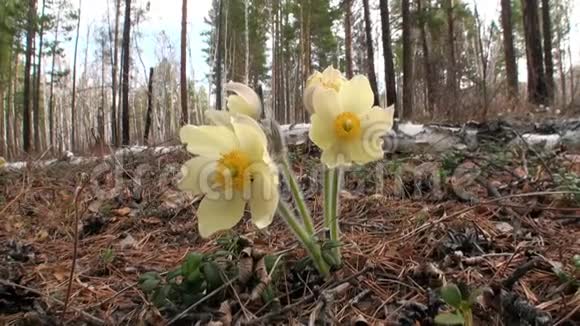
x=183, y=66
x=537, y=90
x=28, y=87
x=388, y=54
x=407, y=62
x=548, y=60
x=370, y=52
x=348, y=36
x=509, y=50
x=126, y=64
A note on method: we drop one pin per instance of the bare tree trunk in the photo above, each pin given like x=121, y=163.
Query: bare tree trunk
x=348, y=36
x=483, y=61
x=451, y=61
x=26, y=130
x=370, y=52
x=273, y=82
x=149, y=108
x=11, y=123
x=9, y=102
x=561, y=68
x=537, y=91
x=183, y=72
x=126, y=67
x=407, y=111
x=101, y=113
x=114, y=87
x=307, y=60
x=548, y=59
x=572, y=76
x=247, y=34
x=220, y=43
x=391, y=86
x=509, y=51
x=74, y=85
x=3, y=107
x=427, y=66
x=36, y=109
x=52, y=78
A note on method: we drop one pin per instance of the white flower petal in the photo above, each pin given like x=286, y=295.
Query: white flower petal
x=209, y=141
x=332, y=75
x=251, y=137
x=321, y=132
x=252, y=106
x=314, y=79
x=265, y=196
x=308, y=98
x=219, y=214
x=377, y=118
x=218, y=118
x=335, y=156
x=356, y=94
x=237, y=104
x=363, y=152
x=326, y=103
x=196, y=174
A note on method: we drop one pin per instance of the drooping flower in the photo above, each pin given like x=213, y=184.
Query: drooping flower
x=2, y=162
x=244, y=101
x=346, y=126
x=232, y=169
x=330, y=78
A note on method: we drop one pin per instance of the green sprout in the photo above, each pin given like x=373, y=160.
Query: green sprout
x=462, y=303
x=108, y=256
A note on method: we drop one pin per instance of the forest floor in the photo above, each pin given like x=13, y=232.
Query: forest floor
x=498, y=218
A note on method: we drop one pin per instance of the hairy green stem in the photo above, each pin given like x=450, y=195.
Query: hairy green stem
x=334, y=211
x=306, y=239
x=328, y=174
x=298, y=197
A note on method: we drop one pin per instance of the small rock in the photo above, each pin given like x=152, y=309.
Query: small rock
x=504, y=227
x=128, y=243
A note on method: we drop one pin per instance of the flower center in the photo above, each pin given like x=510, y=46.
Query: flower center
x=231, y=170
x=347, y=126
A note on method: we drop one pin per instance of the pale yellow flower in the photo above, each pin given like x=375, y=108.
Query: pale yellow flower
x=232, y=168
x=330, y=78
x=244, y=101
x=346, y=126
x=2, y=162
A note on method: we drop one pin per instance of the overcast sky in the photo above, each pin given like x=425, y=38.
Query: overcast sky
x=165, y=15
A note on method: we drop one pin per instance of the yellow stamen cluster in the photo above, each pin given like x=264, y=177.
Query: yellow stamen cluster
x=347, y=126
x=231, y=170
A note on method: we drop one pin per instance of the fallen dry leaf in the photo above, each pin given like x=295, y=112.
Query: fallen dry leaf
x=125, y=211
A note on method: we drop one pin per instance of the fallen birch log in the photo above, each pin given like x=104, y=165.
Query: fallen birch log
x=406, y=137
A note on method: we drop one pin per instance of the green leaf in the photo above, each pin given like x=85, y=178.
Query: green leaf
x=149, y=285
x=331, y=244
x=173, y=274
x=451, y=295
x=193, y=277
x=447, y=318
x=268, y=294
x=330, y=258
x=576, y=261
x=191, y=264
x=148, y=275
x=160, y=296
x=212, y=274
